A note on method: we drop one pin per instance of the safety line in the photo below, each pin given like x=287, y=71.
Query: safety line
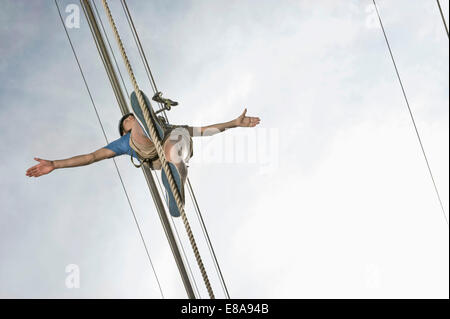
x=110, y=48
x=139, y=45
x=137, y=41
x=208, y=239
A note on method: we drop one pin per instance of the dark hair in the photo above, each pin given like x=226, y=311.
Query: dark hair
x=121, y=129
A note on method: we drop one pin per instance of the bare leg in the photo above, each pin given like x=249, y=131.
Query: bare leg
x=171, y=151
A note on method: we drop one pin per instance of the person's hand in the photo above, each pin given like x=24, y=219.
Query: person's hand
x=44, y=167
x=246, y=121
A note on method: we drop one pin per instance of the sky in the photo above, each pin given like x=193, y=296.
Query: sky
x=329, y=197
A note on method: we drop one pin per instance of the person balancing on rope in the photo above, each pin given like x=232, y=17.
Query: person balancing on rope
x=135, y=141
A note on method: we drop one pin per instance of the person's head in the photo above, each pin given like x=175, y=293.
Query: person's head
x=126, y=123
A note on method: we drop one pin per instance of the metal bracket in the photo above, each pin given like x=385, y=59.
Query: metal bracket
x=168, y=103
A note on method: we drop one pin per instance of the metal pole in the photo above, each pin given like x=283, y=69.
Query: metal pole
x=104, y=54
x=442, y=16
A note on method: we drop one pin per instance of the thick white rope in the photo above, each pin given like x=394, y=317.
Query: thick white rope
x=160, y=151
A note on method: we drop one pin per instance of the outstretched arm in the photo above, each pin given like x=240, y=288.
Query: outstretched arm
x=240, y=121
x=46, y=166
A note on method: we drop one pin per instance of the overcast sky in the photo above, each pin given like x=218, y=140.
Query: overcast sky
x=329, y=197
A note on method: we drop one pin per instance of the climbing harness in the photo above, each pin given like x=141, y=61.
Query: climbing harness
x=142, y=161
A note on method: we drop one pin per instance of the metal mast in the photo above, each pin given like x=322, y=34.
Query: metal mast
x=123, y=105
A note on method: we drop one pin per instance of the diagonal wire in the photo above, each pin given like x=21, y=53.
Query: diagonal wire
x=178, y=237
x=106, y=138
x=110, y=47
x=191, y=191
x=411, y=114
x=208, y=239
x=138, y=43
x=442, y=16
